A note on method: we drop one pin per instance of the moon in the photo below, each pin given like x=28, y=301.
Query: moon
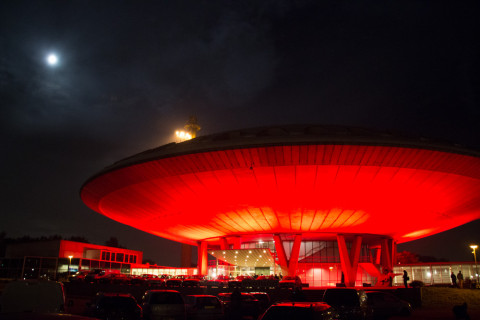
x=52, y=59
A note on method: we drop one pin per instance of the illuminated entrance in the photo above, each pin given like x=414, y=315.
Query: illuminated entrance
x=348, y=259
x=244, y=262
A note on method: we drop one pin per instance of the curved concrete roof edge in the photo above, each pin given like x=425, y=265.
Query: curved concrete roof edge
x=284, y=135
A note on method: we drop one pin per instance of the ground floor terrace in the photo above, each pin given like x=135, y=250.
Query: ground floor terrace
x=312, y=274
x=330, y=260
x=318, y=259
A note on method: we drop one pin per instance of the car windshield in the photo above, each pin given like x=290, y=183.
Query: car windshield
x=207, y=301
x=341, y=297
x=166, y=298
x=109, y=302
x=262, y=297
x=224, y=297
x=288, y=313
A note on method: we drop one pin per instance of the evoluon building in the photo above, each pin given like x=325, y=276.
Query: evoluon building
x=324, y=203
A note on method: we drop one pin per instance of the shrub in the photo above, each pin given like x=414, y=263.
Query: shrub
x=417, y=284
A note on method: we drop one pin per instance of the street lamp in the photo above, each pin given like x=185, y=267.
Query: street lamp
x=69, y=263
x=474, y=247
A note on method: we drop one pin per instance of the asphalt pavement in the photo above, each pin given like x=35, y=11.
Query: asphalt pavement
x=437, y=313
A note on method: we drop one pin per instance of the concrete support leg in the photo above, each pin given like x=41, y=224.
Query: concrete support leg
x=387, y=254
x=293, y=262
x=282, y=257
x=355, y=251
x=349, y=261
x=378, y=255
x=394, y=253
x=202, y=258
x=237, y=243
x=224, y=244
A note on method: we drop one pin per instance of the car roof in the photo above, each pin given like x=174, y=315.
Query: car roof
x=114, y=294
x=160, y=290
x=230, y=293
x=379, y=292
x=303, y=304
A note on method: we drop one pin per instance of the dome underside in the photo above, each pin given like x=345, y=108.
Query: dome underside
x=404, y=193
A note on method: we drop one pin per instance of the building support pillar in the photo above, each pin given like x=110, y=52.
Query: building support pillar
x=394, y=253
x=349, y=261
x=378, y=255
x=237, y=243
x=202, y=264
x=293, y=262
x=282, y=257
x=388, y=254
x=288, y=266
x=224, y=243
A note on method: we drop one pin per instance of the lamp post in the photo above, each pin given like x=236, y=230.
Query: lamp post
x=69, y=263
x=474, y=247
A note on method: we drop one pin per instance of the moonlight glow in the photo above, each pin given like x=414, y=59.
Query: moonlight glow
x=52, y=59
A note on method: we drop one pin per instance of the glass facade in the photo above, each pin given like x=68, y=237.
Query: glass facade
x=318, y=261
x=118, y=257
x=53, y=268
x=157, y=271
x=436, y=273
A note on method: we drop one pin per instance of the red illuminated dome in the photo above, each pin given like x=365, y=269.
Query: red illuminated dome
x=313, y=181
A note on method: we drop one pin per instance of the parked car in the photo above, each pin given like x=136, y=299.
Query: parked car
x=174, y=282
x=205, y=307
x=114, y=278
x=385, y=305
x=41, y=296
x=97, y=274
x=43, y=316
x=300, y=311
x=165, y=276
x=266, y=282
x=121, y=279
x=113, y=306
x=155, y=281
x=239, y=281
x=219, y=282
x=79, y=276
x=263, y=298
x=246, y=304
x=163, y=304
x=350, y=303
x=191, y=282
x=201, y=279
x=290, y=282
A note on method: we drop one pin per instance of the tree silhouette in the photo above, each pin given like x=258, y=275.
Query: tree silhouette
x=113, y=242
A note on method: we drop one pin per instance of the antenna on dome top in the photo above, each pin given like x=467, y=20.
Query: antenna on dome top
x=192, y=126
x=191, y=129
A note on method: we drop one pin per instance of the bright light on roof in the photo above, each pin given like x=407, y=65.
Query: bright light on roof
x=182, y=135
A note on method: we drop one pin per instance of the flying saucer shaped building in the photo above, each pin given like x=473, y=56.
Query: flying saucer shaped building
x=313, y=199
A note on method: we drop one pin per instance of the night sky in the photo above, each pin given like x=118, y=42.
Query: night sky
x=130, y=73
